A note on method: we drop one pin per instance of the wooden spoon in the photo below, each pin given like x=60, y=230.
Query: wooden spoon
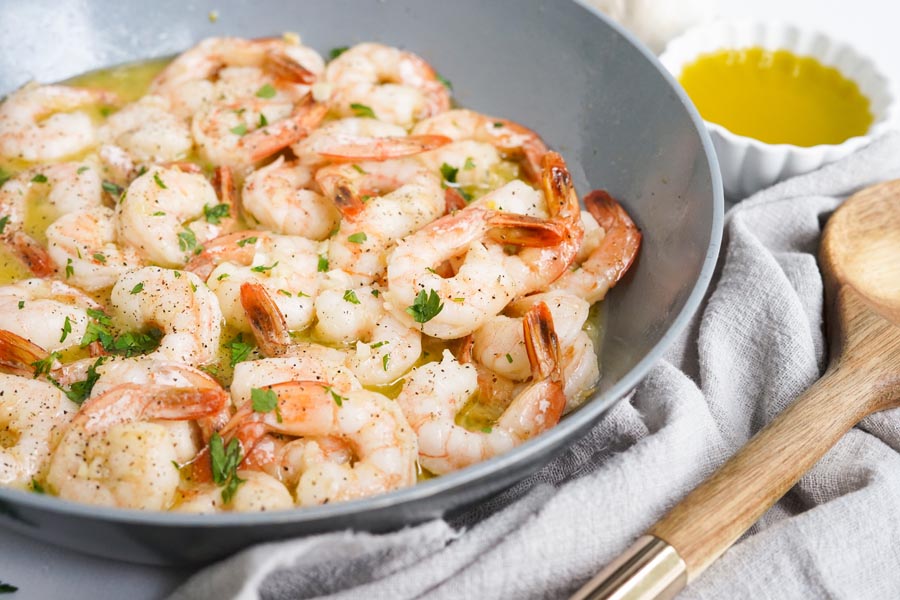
x=860, y=260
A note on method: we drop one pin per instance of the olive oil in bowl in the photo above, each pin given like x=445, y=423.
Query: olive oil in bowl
x=777, y=97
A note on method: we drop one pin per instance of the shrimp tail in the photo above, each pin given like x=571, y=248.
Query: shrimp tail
x=348, y=201
x=524, y=230
x=17, y=354
x=284, y=67
x=542, y=344
x=266, y=319
x=266, y=141
x=226, y=190
x=453, y=200
x=32, y=254
x=623, y=239
x=238, y=247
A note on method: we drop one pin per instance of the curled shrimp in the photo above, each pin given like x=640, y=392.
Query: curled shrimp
x=486, y=278
x=232, y=68
x=114, y=455
x=176, y=302
x=511, y=139
x=284, y=266
x=147, y=132
x=164, y=215
x=398, y=86
x=611, y=258
x=434, y=393
x=61, y=188
x=361, y=139
x=45, y=312
x=380, y=202
x=241, y=133
x=83, y=245
x=41, y=122
x=373, y=426
x=282, y=197
x=33, y=415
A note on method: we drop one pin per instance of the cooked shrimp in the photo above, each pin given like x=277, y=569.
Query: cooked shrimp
x=83, y=246
x=33, y=415
x=282, y=197
x=40, y=122
x=511, y=139
x=398, y=86
x=499, y=344
x=61, y=188
x=162, y=215
x=381, y=202
x=258, y=492
x=148, y=132
x=112, y=455
x=614, y=255
x=284, y=266
x=356, y=139
x=45, y=312
x=372, y=425
x=241, y=133
x=434, y=393
x=176, y=302
x=240, y=68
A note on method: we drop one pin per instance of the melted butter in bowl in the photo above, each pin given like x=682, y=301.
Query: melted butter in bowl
x=777, y=97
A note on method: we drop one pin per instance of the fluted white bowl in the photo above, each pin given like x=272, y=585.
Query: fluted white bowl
x=749, y=165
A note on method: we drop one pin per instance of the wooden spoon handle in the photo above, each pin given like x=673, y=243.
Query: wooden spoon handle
x=706, y=522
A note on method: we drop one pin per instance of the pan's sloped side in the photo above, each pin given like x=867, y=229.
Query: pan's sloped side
x=586, y=87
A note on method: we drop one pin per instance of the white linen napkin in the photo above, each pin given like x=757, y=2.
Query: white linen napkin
x=755, y=345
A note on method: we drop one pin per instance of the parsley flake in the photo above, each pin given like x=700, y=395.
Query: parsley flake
x=39, y=178
x=3, y=222
x=265, y=401
x=158, y=213
x=225, y=463
x=359, y=169
x=335, y=52
x=240, y=129
x=470, y=164
x=264, y=268
x=100, y=258
x=137, y=289
x=361, y=110
x=239, y=350
x=385, y=360
x=45, y=365
x=187, y=240
x=323, y=264
x=21, y=304
x=215, y=214
x=70, y=270
x=159, y=181
x=7, y=588
x=449, y=173
x=263, y=121
x=245, y=241
x=266, y=91
x=82, y=169
x=66, y=330
x=338, y=399
x=222, y=276
x=36, y=487
x=350, y=296
x=509, y=358
x=357, y=238
x=111, y=188
x=425, y=307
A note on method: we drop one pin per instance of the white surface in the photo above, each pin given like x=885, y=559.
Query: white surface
x=41, y=571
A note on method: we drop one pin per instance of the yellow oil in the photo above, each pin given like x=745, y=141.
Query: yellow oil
x=777, y=97
x=129, y=81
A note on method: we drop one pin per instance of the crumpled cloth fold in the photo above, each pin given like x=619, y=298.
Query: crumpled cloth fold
x=755, y=345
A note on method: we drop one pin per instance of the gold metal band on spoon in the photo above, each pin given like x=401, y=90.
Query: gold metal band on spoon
x=649, y=569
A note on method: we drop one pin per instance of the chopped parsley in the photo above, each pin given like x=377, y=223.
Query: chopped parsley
x=265, y=401
x=215, y=214
x=238, y=349
x=449, y=173
x=425, y=307
x=338, y=399
x=266, y=91
x=361, y=110
x=359, y=169
x=187, y=241
x=245, y=241
x=158, y=213
x=39, y=178
x=112, y=188
x=264, y=268
x=4, y=175
x=70, y=270
x=128, y=344
x=3, y=222
x=45, y=365
x=379, y=344
x=323, y=264
x=82, y=169
x=446, y=82
x=385, y=360
x=80, y=390
x=36, y=487
x=335, y=52
x=509, y=358
x=21, y=304
x=350, y=296
x=470, y=164
x=223, y=276
x=66, y=330
x=376, y=293
x=285, y=293
x=137, y=289
x=100, y=258
x=263, y=121
x=225, y=462
x=240, y=129
x=498, y=124
x=159, y=181
x=487, y=429
x=357, y=238
x=7, y=588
